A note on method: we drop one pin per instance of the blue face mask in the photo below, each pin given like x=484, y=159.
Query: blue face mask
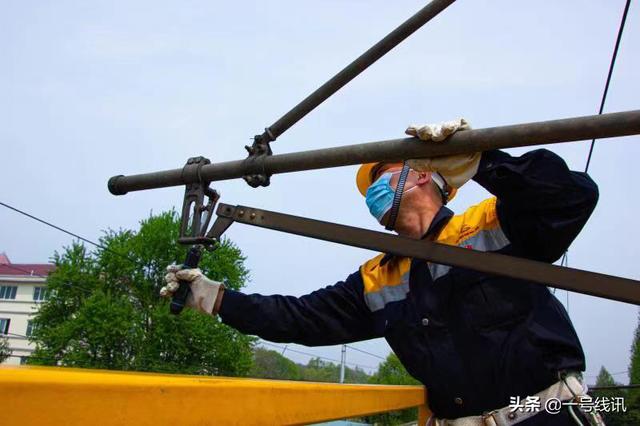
x=380, y=196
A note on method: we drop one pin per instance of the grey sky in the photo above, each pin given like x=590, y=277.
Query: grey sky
x=93, y=89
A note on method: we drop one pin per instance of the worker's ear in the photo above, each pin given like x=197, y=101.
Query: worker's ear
x=423, y=178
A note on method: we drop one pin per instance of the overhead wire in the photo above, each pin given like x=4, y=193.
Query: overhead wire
x=603, y=100
x=609, y=74
x=365, y=352
x=612, y=374
x=316, y=356
x=73, y=234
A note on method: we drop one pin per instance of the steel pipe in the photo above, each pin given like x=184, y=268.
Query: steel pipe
x=352, y=70
x=518, y=135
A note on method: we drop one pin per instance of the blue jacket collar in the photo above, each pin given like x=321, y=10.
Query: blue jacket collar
x=439, y=221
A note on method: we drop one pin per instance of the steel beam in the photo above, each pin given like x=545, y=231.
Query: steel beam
x=592, y=283
x=518, y=135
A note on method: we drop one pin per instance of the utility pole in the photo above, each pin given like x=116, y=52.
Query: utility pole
x=343, y=360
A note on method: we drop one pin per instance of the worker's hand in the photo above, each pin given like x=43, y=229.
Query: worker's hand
x=205, y=293
x=437, y=132
x=456, y=169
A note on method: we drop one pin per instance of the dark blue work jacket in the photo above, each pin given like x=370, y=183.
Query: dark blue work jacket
x=473, y=339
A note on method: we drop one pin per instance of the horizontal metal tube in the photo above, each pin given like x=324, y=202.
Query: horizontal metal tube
x=352, y=70
x=518, y=135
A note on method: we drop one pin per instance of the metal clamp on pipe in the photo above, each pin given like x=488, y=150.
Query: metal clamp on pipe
x=257, y=153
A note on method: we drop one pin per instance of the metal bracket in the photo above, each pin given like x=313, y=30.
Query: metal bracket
x=196, y=214
x=257, y=152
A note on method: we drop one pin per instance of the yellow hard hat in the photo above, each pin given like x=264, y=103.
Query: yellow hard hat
x=364, y=179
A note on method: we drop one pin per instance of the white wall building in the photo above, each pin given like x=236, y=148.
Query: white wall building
x=22, y=289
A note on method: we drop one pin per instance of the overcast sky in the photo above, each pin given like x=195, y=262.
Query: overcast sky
x=93, y=89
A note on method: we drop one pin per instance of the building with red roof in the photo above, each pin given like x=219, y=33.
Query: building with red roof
x=23, y=287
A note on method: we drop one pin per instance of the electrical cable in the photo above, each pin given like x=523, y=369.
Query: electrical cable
x=86, y=240
x=125, y=257
x=365, y=352
x=73, y=235
x=613, y=374
x=611, y=66
x=317, y=356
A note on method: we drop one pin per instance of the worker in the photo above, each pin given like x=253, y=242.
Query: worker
x=478, y=342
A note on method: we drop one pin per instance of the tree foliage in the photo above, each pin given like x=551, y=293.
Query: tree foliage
x=270, y=364
x=318, y=370
x=392, y=372
x=634, y=364
x=604, y=378
x=633, y=395
x=104, y=309
x=5, y=350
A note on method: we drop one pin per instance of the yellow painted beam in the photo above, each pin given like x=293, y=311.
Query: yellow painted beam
x=42, y=396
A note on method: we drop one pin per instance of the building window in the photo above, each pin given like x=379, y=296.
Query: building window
x=23, y=360
x=8, y=291
x=4, y=325
x=39, y=294
x=30, y=328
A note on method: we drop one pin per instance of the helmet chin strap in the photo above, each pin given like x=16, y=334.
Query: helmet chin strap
x=439, y=180
x=397, y=197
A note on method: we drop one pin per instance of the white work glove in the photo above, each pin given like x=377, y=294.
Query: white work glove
x=204, y=292
x=456, y=169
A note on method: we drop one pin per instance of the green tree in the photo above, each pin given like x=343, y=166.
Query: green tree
x=5, y=351
x=268, y=364
x=318, y=370
x=633, y=395
x=634, y=364
x=605, y=379
x=104, y=309
x=392, y=372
